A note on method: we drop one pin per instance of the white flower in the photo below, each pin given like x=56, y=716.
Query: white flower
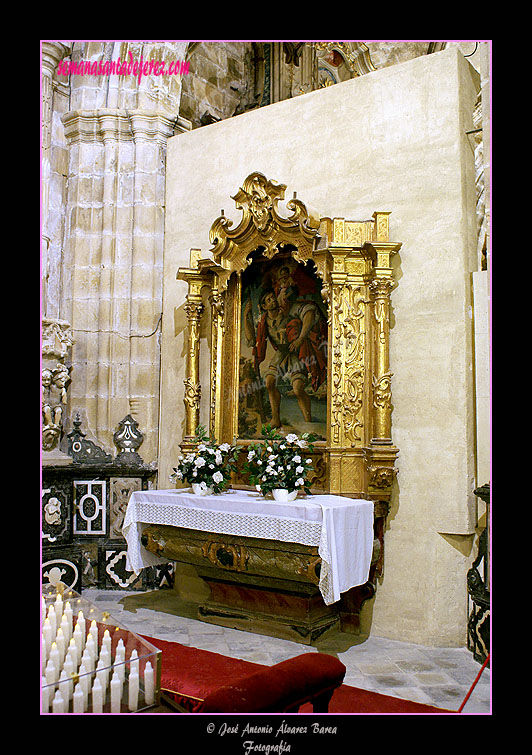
x=225, y=447
x=194, y=473
x=282, y=446
x=251, y=454
x=200, y=462
x=292, y=438
x=299, y=470
x=218, y=458
x=302, y=443
x=217, y=477
x=211, y=466
x=309, y=461
x=202, y=447
x=300, y=481
x=297, y=459
x=258, y=488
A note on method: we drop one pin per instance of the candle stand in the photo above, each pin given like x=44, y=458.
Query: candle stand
x=89, y=662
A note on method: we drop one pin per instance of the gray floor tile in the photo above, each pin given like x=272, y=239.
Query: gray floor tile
x=435, y=676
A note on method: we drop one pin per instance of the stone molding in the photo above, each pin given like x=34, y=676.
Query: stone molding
x=107, y=124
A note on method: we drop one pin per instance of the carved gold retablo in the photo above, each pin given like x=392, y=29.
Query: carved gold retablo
x=300, y=330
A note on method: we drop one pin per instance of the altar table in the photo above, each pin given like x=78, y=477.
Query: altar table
x=341, y=528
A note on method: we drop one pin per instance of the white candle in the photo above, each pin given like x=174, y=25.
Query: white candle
x=102, y=674
x=52, y=618
x=133, y=691
x=105, y=656
x=91, y=647
x=60, y=643
x=72, y=651
x=67, y=614
x=134, y=664
x=149, y=684
x=87, y=660
x=120, y=654
x=120, y=669
x=58, y=705
x=79, y=639
x=106, y=641
x=45, y=695
x=116, y=693
x=81, y=623
x=65, y=628
x=47, y=634
x=58, y=608
x=78, y=699
x=69, y=670
x=55, y=658
x=44, y=654
x=65, y=685
x=43, y=608
x=97, y=696
x=84, y=680
x=50, y=672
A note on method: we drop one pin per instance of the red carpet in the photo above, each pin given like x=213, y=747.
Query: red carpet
x=188, y=675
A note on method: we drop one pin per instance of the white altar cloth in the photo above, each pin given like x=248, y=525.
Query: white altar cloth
x=341, y=528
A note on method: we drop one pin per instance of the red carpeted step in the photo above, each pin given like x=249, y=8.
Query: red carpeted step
x=189, y=675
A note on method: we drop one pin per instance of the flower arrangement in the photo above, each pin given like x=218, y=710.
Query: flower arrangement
x=281, y=461
x=208, y=465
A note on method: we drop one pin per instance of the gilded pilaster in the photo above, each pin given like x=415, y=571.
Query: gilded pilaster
x=217, y=302
x=194, y=309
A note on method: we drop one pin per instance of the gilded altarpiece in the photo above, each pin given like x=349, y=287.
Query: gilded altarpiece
x=300, y=324
x=341, y=270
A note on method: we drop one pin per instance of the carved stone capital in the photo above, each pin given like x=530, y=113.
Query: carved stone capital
x=56, y=338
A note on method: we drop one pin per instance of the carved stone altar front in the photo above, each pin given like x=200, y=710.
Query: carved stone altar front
x=340, y=268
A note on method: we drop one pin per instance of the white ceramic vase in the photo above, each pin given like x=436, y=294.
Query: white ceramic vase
x=198, y=489
x=281, y=494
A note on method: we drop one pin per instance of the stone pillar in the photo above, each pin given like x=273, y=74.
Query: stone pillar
x=114, y=239
x=56, y=333
x=51, y=54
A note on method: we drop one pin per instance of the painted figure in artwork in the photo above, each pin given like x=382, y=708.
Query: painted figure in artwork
x=285, y=328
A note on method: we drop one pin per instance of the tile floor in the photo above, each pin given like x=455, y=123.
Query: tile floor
x=437, y=676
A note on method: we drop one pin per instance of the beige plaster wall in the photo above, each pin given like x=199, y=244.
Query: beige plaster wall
x=393, y=140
